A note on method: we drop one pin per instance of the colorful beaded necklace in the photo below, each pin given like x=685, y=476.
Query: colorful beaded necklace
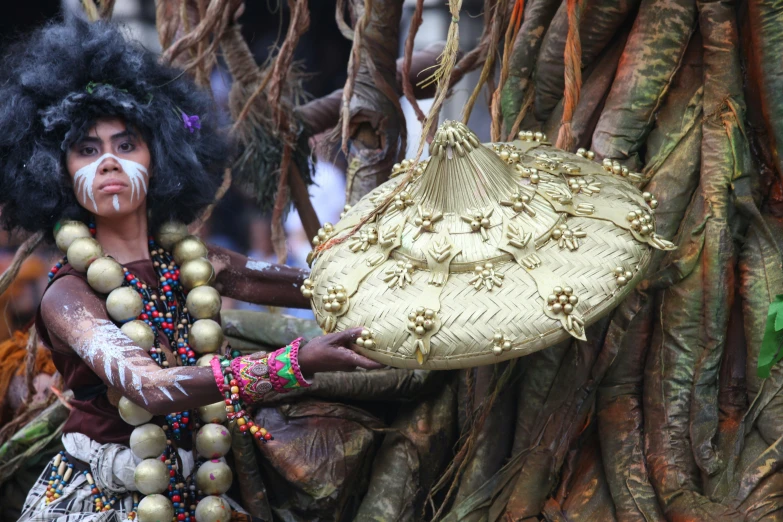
x=165, y=312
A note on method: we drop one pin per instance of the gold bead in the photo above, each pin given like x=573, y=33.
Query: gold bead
x=105, y=274
x=213, y=509
x=203, y=302
x=206, y=336
x=188, y=248
x=66, y=231
x=133, y=414
x=213, y=441
x=82, y=252
x=148, y=441
x=154, y=508
x=196, y=272
x=206, y=360
x=214, y=477
x=140, y=333
x=170, y=233
x=213, y=412
x=124, y=304
x=151, y=476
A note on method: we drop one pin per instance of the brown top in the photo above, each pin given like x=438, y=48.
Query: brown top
x=94, y=355
x=93, y=414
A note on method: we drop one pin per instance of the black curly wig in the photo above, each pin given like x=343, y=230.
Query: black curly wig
x=57, y=82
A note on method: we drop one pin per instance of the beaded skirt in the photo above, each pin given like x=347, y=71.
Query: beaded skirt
x=75, y=502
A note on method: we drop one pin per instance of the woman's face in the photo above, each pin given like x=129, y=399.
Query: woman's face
x=109, y=168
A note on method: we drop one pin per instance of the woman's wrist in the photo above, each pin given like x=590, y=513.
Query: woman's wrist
x=285, y=373
x=251, y=373
x=218, y=374
x=251, y=377
x=243, y=380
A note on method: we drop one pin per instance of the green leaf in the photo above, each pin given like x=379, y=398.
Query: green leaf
x=778, y=304
x=770, y=352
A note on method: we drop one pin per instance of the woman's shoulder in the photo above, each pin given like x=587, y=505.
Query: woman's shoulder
x=69, y=289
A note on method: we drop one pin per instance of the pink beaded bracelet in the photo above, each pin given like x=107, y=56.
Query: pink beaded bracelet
x=284, y=371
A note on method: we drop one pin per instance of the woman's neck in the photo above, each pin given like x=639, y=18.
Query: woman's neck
x=124, y=237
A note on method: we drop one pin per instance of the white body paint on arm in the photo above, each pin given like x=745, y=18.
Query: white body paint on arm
x=259, y=266
x=104, y=344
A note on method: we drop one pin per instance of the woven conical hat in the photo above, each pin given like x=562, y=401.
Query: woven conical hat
x=486, y=252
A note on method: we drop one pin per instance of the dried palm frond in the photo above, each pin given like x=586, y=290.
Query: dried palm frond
x=98, y=9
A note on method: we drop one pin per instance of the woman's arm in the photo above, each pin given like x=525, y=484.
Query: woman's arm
x=257, y=282
x=76, y=316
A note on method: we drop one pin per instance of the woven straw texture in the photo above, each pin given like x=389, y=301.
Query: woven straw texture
x=488, y=252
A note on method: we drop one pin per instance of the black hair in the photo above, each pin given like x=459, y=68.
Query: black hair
x=58, y=81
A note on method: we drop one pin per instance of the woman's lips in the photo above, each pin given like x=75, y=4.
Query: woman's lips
x=112, y=187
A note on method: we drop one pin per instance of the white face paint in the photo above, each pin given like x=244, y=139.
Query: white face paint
x=115, y=201
x=84, y=178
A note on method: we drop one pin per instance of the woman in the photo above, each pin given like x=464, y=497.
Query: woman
x=94, y=131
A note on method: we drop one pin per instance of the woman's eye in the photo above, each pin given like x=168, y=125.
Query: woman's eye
x=88, y=151
x=126, y=147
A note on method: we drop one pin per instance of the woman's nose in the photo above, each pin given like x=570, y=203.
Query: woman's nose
x=108, y=166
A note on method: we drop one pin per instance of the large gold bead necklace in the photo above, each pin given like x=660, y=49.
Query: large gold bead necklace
x=183, y=308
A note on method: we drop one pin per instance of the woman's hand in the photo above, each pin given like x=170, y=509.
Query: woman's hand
x=333, y=353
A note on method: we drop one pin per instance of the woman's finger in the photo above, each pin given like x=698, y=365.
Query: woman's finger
x=348, y=337
x=367, y=364
x=354, y=359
